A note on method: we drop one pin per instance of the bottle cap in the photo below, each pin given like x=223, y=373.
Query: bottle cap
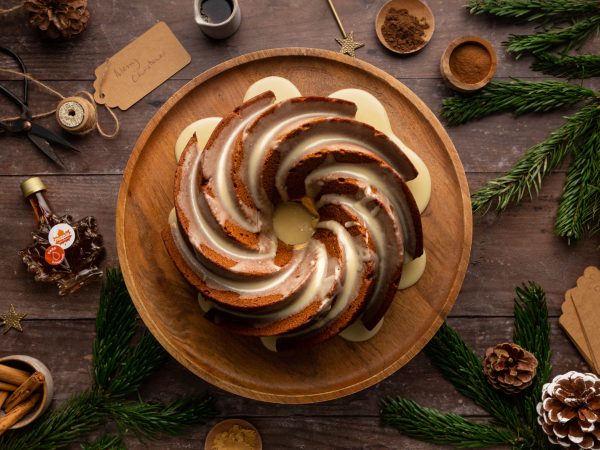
x=32, y=185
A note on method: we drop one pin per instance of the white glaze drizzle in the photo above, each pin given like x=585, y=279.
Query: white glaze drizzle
x=368, y=176
x=283, y=88
x=353, y=266
x=247, y=288
x=369, y=111
x=224, y=190
x=412, y=271
x=203, y=128
x=188, y=196
x=372, y=112
x=374, y=230
x=357, y=332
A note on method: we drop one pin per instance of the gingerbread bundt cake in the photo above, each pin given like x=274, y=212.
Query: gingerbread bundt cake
x=261, y=155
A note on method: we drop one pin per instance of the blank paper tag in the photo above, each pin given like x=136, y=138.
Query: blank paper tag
x=586, y=299
x=569, y=321
x=139, y=68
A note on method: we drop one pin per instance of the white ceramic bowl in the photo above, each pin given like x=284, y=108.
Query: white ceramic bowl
x=30, y=364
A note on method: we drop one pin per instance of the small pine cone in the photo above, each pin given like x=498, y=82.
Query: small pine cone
x=509, y=367
x=569, y=412
x=58, y=18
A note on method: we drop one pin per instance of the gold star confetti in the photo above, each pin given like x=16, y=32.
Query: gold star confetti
x=12, y=319
x=349, y=45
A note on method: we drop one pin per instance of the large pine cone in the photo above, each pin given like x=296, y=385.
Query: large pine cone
x=58, y=18
x=509, y=367
x=569, y=411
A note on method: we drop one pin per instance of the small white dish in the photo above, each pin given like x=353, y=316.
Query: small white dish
x=219, y=30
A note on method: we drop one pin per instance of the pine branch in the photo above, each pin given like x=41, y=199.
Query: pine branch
x=105, y=443
x=567, y=38
x=439, y=428
x=459, y=365
x=61, y=427
x=535, y=10
x=516, y=96
x=579, y=209
x=150, y=420
x=115, y=327
x=579, y=66
x=118, y=368
x=527, y=174
x=532, y=332
x=141, y=361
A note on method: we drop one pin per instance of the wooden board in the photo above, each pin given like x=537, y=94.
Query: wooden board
x=167, y=304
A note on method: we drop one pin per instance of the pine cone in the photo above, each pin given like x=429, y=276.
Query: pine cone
x=509, y=367
x=569, y=412
x=58, y=18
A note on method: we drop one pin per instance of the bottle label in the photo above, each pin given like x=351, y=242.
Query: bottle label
x=54, y=255
x=62, y=235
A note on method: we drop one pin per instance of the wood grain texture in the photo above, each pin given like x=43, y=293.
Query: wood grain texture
x=418, y=380
x=507, y=249
x=168, y=305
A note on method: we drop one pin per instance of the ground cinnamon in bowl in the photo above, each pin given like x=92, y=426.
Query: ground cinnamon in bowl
x=470, y=62
x=402, y=31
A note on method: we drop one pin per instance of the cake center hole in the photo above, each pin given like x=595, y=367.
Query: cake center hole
x=294, y=223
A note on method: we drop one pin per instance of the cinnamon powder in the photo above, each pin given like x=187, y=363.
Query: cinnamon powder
x=470, y=63
x=402, y=31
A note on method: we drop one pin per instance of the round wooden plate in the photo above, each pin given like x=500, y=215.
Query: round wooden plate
x=168, y=305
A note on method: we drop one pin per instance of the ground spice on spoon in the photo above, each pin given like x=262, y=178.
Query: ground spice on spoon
x=402, y=31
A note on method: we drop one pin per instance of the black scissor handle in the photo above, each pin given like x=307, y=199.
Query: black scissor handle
x=23, y=69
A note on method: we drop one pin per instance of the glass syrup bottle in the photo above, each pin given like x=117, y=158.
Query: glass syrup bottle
x=64, y=251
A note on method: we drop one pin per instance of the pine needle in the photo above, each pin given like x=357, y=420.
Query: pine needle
x=439, y=428
x=60, y=427
x=566, y=38
x=105, y=443
x=517, y=416
x=459, y=365
x=525, y=177
x=150, y=420
x=115, y=327
x=516, y=96
x=579, y=209
x=578, y=66
x=535, y=10
x=532, y=332
x=118, y=369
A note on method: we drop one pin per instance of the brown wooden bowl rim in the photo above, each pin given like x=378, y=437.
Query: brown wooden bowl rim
x=428, y=35
x=452, y=79
x=339, y=391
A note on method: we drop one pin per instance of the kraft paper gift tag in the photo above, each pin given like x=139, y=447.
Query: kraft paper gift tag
x=586, y=298
x=139, y=68
x=569, y=322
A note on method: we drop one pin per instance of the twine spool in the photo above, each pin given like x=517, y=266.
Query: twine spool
x=76, y=115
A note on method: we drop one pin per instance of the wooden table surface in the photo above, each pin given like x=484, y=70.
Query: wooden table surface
x=509, y=249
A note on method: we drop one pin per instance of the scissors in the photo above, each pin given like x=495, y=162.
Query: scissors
x=38, y=135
